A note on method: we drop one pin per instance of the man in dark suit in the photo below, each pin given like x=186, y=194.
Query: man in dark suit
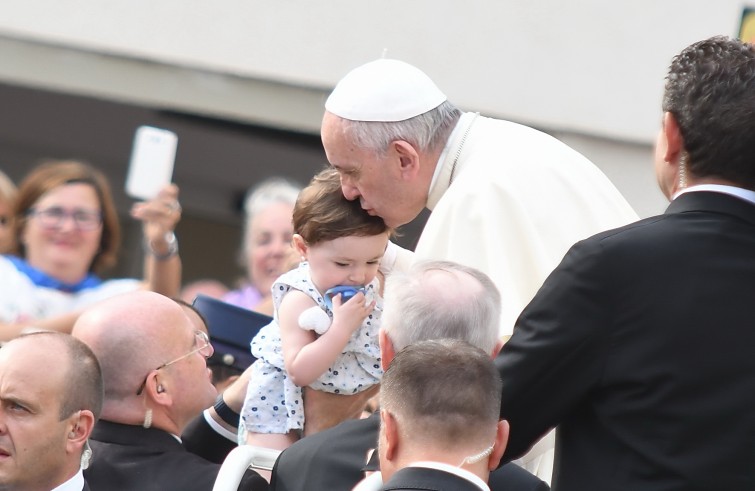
x=47, y=415
x=439, y=425
x=156, y=381
x=639, y=345
x=434, y=300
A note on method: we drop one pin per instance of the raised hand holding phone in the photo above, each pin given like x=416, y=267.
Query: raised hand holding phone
x=152, y=159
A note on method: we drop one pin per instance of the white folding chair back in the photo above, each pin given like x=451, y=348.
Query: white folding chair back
x=239, y=460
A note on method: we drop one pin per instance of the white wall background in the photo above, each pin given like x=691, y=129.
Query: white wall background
x=590, y=71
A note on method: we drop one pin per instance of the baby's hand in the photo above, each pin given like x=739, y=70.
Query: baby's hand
x=350, y=315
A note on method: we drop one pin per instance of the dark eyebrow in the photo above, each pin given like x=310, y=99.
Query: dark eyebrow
x=15, y=400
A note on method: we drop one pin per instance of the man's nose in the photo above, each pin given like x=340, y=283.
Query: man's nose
x=350, y=192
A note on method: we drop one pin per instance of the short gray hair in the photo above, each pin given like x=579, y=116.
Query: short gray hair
x=425, y=132
x=419, y=308
x=268, y=192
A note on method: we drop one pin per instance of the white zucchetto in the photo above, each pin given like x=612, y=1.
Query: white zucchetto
x=384, y=90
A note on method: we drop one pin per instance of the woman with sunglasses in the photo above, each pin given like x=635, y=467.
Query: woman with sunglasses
x=67, y=233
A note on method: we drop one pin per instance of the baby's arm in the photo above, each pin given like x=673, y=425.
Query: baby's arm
x=307, y=356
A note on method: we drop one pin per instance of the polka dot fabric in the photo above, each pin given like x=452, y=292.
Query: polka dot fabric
x=273, y=403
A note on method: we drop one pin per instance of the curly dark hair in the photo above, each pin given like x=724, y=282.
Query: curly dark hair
x=710, y=90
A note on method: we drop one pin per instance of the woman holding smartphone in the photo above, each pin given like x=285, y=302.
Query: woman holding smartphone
x=67, y=233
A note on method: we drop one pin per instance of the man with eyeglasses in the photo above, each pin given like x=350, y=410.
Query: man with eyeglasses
x=156, y=381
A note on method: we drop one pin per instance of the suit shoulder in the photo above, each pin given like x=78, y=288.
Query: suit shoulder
x=511, y=477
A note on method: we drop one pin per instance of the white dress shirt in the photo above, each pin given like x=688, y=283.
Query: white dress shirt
x=76, y=483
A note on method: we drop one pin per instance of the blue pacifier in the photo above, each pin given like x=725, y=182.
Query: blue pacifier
x=345, y=291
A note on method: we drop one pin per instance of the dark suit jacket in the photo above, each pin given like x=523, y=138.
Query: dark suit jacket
x=201, y=439
x=333, y=460
x=641, y=347
x=131, y=458
x=420, y=478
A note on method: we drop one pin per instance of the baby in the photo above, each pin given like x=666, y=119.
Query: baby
x=318, y=338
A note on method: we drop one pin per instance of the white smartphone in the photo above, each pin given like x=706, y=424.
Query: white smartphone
x=152, y=159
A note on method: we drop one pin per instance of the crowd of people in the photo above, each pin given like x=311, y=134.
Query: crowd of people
x=539, y=335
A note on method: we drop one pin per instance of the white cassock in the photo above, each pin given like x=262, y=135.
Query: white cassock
x=510, y=201
x=519, y=199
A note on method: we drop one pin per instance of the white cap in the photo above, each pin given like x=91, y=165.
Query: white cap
x=384, y=90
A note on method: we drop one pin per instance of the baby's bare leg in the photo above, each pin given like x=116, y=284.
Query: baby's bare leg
x=323, y=410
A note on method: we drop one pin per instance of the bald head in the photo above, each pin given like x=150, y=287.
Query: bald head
x=131, y=334
x=441, y=300
x=153, y=361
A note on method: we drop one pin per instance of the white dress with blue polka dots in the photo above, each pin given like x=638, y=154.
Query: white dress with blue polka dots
x=273, y=402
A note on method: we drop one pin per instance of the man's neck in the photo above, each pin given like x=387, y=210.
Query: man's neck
x=135, y=416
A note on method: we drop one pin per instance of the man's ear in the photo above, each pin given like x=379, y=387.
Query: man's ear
x=300, y=245
x=158, y=390
x=390, y=434
x=80, y=426
x=499, y=345
x=387, y=353
x=499, y=446
x=673, y=136
x=408, y=159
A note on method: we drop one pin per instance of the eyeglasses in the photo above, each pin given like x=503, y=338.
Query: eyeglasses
x=201, y=345
x=55, y=216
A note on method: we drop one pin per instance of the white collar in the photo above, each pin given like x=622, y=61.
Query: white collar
x=457, y=471
x=76, y=483
x=219, y=429
x=443, y=154
x=741, y=193
x=444, y=169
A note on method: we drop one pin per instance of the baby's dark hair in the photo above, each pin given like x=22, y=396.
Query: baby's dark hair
x=322, y=213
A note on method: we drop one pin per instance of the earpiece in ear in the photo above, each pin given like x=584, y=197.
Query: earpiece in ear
x=160, y=389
